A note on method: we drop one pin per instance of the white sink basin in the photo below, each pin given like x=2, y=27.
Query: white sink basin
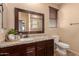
x=26, y=39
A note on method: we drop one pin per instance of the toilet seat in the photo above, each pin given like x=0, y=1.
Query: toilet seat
x=62, y=45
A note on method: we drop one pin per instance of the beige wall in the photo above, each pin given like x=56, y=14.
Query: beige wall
x=38, y=7
x=69, y=13
x=0, y=17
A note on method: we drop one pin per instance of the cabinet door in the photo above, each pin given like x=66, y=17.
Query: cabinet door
x=15, y=50
x=49, y=51
x=5, y=52
x=41, y=49
x=30, y=50
x=50, y=48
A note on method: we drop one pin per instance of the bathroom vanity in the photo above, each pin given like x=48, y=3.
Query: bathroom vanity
x=28, y=22
x=28, y=48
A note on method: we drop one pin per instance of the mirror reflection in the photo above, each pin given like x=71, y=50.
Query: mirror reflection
x=23, y=22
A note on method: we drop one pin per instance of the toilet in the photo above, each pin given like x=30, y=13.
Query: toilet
x=60, y=47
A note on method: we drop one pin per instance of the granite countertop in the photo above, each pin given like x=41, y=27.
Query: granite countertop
x=18, y=42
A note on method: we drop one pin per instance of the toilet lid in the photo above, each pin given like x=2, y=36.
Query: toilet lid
x=64, y=45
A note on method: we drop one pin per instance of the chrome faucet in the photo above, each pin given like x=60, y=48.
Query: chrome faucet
x=23, y=35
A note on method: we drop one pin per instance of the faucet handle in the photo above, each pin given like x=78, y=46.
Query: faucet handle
x=23, y=35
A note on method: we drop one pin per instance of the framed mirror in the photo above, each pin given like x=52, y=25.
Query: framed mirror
x=28, y=21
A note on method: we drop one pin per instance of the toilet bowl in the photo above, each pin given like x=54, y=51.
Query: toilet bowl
x=60, y=46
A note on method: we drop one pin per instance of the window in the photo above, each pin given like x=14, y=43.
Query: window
x=52, y=17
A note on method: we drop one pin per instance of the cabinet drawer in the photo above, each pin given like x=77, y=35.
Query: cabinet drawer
x=30, y=51
x=12, y=51
x=4, y=52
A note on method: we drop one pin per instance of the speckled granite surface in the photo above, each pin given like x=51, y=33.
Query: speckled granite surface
x=18, y=42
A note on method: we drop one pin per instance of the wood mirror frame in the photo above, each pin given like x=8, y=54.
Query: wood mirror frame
x=17, y=10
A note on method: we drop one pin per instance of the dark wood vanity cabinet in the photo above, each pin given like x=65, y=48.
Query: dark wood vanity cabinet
x=42, y=48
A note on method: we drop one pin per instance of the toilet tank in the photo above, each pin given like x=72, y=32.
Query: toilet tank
x=56, y=38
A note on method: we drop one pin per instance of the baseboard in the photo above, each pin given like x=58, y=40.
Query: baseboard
x=74, y=52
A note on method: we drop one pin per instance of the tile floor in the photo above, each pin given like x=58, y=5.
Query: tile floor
x=68, y=53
